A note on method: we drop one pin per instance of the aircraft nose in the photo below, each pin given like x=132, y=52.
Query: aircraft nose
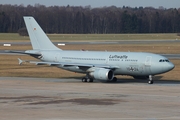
x=169, y=66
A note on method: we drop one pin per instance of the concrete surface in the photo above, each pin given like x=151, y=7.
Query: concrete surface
x=102, y=42
x=70, y=99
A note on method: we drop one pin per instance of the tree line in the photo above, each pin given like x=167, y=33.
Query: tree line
x=83, y=20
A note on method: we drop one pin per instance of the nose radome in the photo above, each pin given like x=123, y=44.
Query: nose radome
x=170, y=66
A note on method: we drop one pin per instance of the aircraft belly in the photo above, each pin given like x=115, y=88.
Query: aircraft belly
x=73, y=69
x=133, y=70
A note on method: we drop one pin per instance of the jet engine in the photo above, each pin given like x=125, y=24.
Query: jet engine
x=102, y=74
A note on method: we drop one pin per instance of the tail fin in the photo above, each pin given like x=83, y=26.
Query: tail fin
x=39, y=39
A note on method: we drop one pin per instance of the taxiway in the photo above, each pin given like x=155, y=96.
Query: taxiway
x=70, y=99
x=102, y=42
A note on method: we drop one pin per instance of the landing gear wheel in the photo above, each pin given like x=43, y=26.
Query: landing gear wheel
x=150, y=80
x=114, y=79
x=90, y=80
x=84, y=79
x=87, y=79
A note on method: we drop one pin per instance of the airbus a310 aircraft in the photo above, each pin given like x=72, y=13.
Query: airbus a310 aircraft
x=98, y=65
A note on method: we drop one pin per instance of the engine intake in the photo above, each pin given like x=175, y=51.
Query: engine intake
x=102, y=74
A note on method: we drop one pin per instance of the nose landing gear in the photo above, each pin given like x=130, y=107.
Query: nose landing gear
x=150, y=80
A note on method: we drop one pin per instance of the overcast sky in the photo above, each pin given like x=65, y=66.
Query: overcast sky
x=99, y=3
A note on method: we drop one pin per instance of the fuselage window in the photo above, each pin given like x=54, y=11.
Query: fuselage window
x=99, y=59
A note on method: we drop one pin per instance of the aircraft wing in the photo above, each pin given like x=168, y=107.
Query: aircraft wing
x=64, y=64
x=36, y=55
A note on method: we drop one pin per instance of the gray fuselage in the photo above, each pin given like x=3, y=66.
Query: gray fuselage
x=124, y=63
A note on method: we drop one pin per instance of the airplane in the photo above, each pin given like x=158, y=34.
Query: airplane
x=96, y=65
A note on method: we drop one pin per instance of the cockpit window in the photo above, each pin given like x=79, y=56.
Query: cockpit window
x=163, y=60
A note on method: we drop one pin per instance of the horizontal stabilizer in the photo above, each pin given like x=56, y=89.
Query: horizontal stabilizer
x=20, y=61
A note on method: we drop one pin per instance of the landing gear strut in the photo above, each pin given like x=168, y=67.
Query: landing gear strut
x=150, y=80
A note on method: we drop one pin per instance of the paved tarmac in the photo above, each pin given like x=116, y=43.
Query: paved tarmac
x=102, y=42
x=70, y=99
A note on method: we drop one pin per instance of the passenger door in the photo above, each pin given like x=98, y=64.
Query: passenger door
x=148, y=64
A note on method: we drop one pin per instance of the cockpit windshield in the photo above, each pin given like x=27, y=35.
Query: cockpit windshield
x=164, y=60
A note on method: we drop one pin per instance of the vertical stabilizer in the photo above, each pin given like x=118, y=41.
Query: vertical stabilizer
x=39, y=39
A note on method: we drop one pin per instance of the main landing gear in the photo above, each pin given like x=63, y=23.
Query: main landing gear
x=114, y=79
x=86, y=79
x=150, y=80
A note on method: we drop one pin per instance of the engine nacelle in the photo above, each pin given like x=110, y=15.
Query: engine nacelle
x=102, y=74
